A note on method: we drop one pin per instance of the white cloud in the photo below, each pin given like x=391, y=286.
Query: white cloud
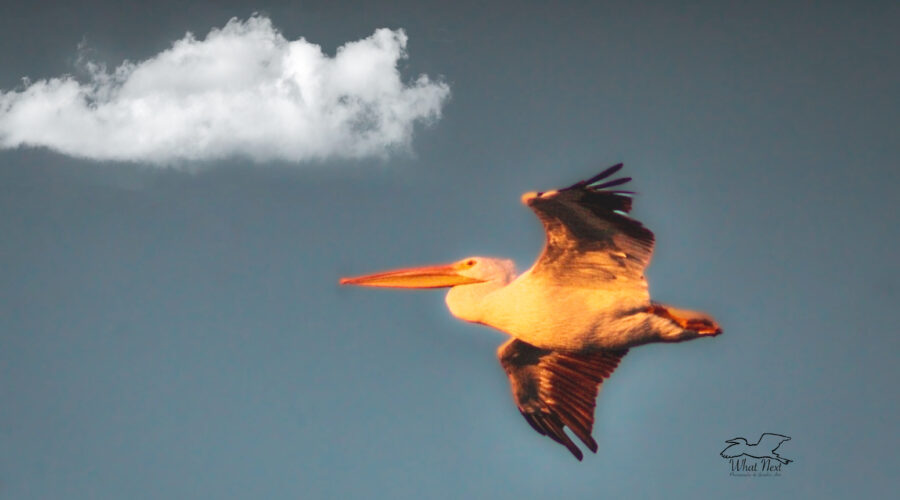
x=244, y=90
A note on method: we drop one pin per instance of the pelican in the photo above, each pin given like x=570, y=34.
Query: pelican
x=574, y=314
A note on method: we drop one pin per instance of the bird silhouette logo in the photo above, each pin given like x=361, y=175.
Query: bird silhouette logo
x=765, y=447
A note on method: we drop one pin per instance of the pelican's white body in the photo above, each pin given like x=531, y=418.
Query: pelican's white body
x=557, y=316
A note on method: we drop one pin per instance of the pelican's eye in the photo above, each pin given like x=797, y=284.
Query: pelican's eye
x=470, y=263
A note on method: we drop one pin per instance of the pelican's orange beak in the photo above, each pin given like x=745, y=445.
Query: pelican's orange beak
x=440, y=276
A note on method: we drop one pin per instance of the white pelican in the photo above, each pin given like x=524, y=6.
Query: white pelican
x=574, y=314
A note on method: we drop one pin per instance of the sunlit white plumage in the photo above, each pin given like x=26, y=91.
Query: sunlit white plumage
x=574, y=314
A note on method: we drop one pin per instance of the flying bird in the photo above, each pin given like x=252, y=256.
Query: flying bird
x=574, y=314
x=764, y=448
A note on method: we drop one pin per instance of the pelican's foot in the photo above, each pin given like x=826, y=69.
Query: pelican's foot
x=703, y=327
x=693, y=321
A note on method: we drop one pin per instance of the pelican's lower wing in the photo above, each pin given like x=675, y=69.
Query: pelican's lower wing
x=554, y=389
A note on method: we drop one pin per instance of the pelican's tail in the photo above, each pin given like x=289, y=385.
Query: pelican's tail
x=693, y=321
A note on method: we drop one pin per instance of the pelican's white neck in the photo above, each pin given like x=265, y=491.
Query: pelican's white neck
x=467, y=302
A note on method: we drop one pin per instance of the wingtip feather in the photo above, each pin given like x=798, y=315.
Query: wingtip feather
x=604, y=174
x=612, y=183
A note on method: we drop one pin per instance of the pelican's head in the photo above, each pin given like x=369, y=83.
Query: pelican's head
x=468, y=271
x=737, y=441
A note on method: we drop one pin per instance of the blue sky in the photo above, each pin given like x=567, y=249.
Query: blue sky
x=171, y=325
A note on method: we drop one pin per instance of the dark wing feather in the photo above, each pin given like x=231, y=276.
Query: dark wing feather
x=554, y=389
x=589, y=234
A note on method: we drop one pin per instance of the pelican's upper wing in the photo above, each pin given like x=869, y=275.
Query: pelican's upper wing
x=554, y=389
x=589, y=234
